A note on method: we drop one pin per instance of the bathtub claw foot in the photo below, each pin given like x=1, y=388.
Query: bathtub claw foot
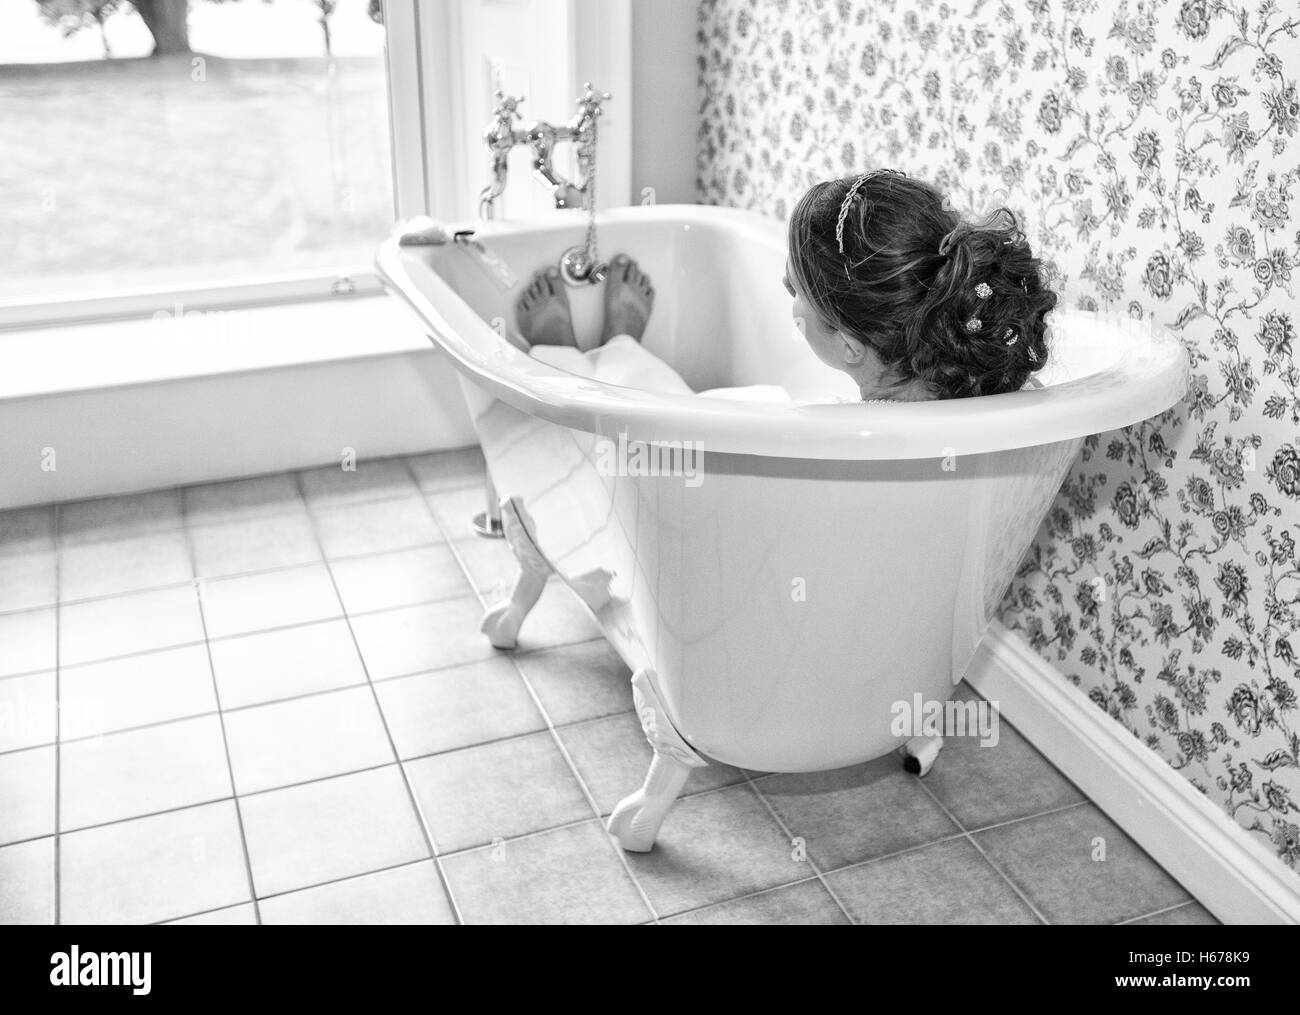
x=502, y=621
x=919, y=754
x=635, y=821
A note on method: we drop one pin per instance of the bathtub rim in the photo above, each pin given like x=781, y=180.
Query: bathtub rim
x=1149, y=377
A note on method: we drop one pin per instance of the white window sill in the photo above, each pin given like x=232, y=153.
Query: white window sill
x=112, y=354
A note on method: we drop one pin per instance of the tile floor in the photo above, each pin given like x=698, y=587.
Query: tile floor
x=268, y=701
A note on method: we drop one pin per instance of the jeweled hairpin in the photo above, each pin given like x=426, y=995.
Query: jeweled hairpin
x=1013, y=337
x=974, y=324
x=1033, y=355
x=983, y=290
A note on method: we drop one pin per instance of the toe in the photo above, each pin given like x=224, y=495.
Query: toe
x=553, y=284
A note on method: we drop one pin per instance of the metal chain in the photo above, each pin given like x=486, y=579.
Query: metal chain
x=593, y=257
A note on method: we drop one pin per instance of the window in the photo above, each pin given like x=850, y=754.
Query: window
x=253, y=144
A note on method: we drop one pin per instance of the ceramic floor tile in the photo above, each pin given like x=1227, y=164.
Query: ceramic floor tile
x=28, y=642
x=449, y=470
x=27, y=530
x=127, y=563
x=455, y=511
x=373, y=479
x=335, y=828
x=375, y=527
x=113, y=517
x=241, y=499
x=253, y=544
x=28, y=580
x=1191, y=914
x=277, y=599
x=140, y=622
x=135, y=691
x=26, y=794
x=457, y=707
x=231, y=916
x=564, y=876
x=270, y=665
x=308, y=738
x=559, y=618
x=402, y=578
x=1051, y=859
x=491, y=565
x=988, y=784
x=852, y=814
x=125, y=775
x=612, y=757
x=577, y=682
x=944, y=883
x=154, y=868
x=27, y=883
x=417, y=638
x=405, y=895
x=496, y=791
x=714, y=847
x=28, y=711
x=804, y=904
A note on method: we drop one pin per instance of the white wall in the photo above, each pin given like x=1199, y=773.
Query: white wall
x=665, y=99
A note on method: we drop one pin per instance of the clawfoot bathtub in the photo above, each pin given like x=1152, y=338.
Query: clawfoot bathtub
x=777, y=577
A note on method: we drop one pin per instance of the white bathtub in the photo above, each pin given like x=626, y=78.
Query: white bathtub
x=827, y=561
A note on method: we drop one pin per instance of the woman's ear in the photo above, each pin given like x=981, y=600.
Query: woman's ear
x=854, y=351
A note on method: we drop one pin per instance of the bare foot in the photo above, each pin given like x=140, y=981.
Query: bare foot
x=629, y=297
x=543, y=311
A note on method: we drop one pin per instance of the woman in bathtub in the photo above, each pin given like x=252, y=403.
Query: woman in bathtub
x=890, y=287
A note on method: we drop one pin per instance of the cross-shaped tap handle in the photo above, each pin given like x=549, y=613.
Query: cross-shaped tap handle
x=590, y=100
x=507, y=106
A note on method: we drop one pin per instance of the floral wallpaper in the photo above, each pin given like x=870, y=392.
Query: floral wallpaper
x=1151, y=149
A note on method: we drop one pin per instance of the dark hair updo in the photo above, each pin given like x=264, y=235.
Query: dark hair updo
x=959, y=306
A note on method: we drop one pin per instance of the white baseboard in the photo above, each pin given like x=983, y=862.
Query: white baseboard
x=1229, y=871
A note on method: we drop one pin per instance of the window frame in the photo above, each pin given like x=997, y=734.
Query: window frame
x=426, y=49
x=254, y=290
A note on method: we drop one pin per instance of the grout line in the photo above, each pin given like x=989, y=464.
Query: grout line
x=305, y=888
x=980, y=849
x=224, y=576
x=1027, y=817
x=1156, y=912
x=812, y=864
x=187, y=527
x=748, y=895
x=483, y=845
x=188, y=805
x=201, y=912
x=299, y=784
x=225, y=739
x=318, y=693
x=421, y=819
x=555, y=737
x=363, y=614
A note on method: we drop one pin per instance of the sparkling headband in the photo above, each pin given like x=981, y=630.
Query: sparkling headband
x=848, y=201
x=844, y=208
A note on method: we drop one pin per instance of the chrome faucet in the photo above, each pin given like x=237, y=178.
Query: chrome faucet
x=501, y=136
